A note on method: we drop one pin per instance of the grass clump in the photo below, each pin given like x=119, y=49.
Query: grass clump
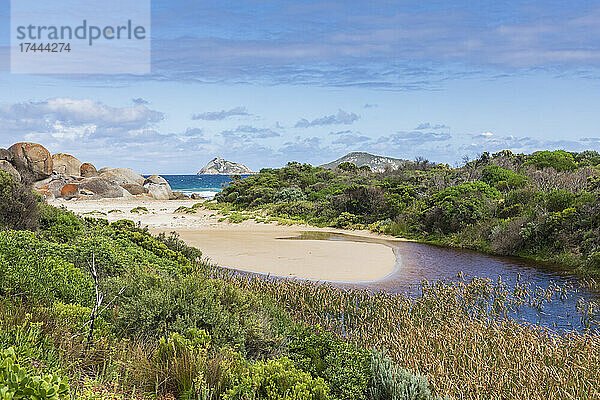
x=236, y=218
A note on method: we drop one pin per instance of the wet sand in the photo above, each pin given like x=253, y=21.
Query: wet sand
x=252, y=246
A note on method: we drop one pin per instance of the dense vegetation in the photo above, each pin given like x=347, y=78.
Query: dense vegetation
x=92, y=310
x=544, y=206
x=171, y=327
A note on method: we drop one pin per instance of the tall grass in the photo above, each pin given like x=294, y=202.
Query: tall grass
x=452, y=333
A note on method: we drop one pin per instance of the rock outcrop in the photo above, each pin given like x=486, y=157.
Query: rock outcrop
x=158, y=187
x=102, y=188
x=180, y=196
x=220, y=166
x=88, y=170
x=134, y=188
x=66, y=164
x=8, y=167
x=69, y=191
x=122, y=176
x=64, y=176
x=51, y=187
x=31, y=160
x=5, y=155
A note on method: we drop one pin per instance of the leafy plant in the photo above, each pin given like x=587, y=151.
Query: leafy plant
x=344, y=367
x=17, y=383
x=277, y=380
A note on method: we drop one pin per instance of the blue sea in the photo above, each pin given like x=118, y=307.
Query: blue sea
x=206, y=186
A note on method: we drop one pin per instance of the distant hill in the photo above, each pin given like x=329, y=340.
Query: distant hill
x=220, y=166
x=376, y=163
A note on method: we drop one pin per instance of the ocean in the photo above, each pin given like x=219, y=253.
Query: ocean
x=206, y=186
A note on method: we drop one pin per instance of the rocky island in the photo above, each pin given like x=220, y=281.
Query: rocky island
x=220, y=166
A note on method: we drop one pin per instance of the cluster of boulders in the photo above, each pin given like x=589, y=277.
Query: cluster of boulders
x=64, y=176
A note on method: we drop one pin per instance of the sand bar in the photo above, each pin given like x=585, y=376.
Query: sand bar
x=252, y=246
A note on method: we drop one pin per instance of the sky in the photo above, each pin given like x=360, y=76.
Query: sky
x=266, y=82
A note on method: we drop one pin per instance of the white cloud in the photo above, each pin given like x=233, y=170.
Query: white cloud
x=75, y=117
x=221, y=115
x=484, y=135
x=342, y=117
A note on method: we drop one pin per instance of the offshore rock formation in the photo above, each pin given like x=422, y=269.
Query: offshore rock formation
x=220, y=166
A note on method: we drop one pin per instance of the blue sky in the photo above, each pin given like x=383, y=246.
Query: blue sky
x=266, y=82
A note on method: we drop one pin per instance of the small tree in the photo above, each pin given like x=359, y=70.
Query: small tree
x=347, y=166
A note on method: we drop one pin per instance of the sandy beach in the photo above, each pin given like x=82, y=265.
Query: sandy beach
x=249, y=245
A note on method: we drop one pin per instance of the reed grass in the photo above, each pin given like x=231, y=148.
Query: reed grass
x=454, y=333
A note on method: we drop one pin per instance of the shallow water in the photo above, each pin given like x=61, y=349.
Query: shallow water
x=416, y=262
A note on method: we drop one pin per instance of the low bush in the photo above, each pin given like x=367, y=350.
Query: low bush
x=388, y=382
x=18, y=204
x=28, y=274
x=456, y=207
x=277, y=379
x=344, y=367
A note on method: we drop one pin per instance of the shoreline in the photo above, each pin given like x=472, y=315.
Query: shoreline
x=254, y=247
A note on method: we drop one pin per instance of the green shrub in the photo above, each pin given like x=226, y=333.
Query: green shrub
x=152, y=305
x=58, y=224
x=456, y=207
x=148, y=242
x=18, y=204
x=295, y=209
x=587, y=158
x=503, y=179
x=237, y=217
x=392, y=383
x=277, y=380
x=556, y=200
x=174, y=243
x=18, y=383
x=346, y=220
x=288, y=195
x=347, y=166
x=193, y=341
x=344, y=367
x=39, y=276
x=67, y=227
x=520, y=196
x=367, y=202
x=76, y=316
x=560, y=160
